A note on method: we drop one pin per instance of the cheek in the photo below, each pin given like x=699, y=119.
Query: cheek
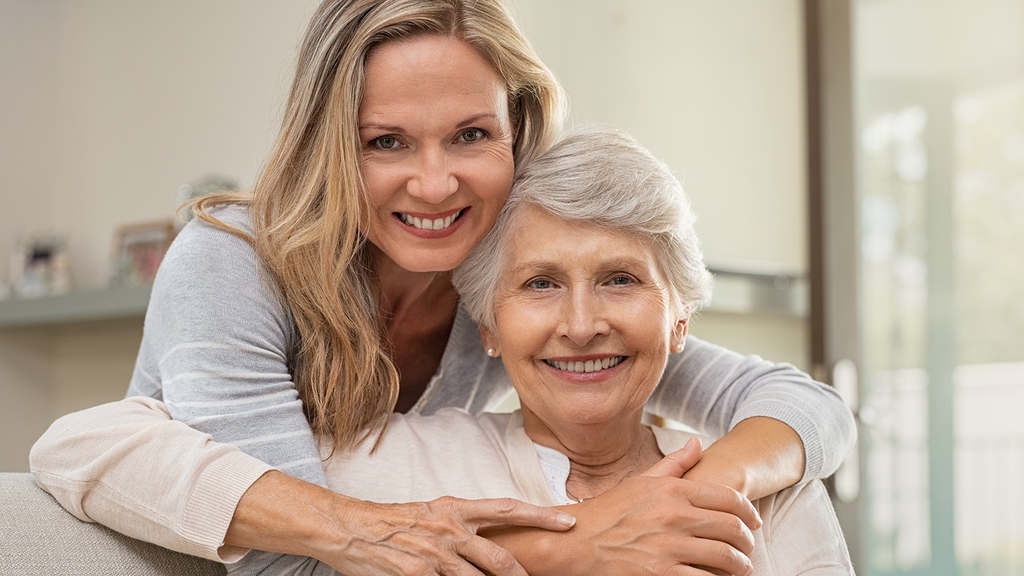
x=524, y=327
x=492, y=176
x=375, y=184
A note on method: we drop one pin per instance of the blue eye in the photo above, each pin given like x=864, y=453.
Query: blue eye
x=472, y=135
x=621, y=280
x=385, y=142
x=540, y=284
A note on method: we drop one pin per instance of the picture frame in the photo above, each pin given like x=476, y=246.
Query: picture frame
x=139, y=249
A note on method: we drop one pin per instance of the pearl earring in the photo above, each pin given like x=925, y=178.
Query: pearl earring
x=491, y=352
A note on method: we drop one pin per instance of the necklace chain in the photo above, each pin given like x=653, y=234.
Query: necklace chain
x=636, y=462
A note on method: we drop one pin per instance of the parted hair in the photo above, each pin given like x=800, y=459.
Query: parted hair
x=308, y=204
x=604, y=178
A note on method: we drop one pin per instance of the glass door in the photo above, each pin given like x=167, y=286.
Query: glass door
x=938, y=147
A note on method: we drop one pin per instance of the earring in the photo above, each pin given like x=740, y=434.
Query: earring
x=677, y=348
x=491, y=352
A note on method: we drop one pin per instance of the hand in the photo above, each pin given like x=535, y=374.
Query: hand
x=655, y=523
x=282, y=514
x=438, y=537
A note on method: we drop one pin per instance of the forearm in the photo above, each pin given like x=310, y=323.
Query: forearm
x=714, y=389
x=758, y=457
x=541, y=552
x=128, y=466
x=279, y=513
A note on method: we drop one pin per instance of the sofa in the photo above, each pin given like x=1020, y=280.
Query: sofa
x=38, y=537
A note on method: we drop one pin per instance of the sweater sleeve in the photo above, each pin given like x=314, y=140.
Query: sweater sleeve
x=109, y=464
x=713, y=389
x=216, y=348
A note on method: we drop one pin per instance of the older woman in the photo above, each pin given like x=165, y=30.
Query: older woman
x=584, y=289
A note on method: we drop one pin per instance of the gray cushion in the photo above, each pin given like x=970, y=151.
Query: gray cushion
x=37, y=536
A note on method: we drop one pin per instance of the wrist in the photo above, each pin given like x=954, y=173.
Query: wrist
x=544, y=552
x=717, y=471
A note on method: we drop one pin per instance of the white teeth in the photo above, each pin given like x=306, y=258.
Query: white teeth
x=428, y=224
x=588, y=366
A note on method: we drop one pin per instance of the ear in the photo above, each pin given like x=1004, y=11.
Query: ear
x=678, y=338
x=491, y=342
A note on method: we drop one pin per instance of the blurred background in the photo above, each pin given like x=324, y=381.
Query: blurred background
x=857, y=167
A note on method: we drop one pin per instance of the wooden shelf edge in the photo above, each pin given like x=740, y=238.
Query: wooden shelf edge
x=75, y=306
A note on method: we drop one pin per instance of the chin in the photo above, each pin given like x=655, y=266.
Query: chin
x=431, y=264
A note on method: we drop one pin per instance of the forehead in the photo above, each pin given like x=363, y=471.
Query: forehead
x=427, y=62
x=542, y=240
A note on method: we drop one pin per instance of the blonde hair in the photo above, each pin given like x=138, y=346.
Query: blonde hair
x=307, y=203
x=599, y=177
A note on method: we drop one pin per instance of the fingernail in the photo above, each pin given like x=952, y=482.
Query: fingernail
x=690, y=442
x=566, y=520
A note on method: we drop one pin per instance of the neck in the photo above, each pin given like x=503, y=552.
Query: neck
x=600, y=455
x=403, y=290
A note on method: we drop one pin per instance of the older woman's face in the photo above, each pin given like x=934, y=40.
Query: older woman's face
x=584, y=321
x=437, y=150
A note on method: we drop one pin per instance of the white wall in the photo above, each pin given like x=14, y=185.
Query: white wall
x=28, y=137
x=156, y=94
x=714, y=88
x=107, y=106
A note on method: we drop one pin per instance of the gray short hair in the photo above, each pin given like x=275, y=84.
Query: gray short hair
x=604, y=178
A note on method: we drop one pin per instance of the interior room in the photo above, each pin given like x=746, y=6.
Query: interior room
x=857, y=168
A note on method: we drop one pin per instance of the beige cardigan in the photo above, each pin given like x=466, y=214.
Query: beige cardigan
x=91, y=461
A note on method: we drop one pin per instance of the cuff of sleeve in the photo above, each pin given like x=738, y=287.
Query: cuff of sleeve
x=805, y=426
x=212, y=505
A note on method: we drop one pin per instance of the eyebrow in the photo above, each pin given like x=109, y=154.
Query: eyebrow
x=393, y=128
x=547, y=267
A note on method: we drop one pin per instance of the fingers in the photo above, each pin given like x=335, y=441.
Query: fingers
x=490, y=557
x=507, y=512
x=723, y=499
x=679, y=462
x=711, y=557
x=705, y=558
x=696, y=571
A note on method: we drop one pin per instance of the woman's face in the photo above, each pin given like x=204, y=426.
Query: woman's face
x=437, y=150
x=584, y=321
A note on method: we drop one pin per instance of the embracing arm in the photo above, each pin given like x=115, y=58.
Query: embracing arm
x=112, y=464
x=777, y=425
x=209, y=499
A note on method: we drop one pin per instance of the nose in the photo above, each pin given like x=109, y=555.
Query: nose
x=583, y=318
x=433, y=181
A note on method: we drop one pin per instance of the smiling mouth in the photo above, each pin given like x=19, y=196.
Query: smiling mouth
x=427, y=223
x=588, y=366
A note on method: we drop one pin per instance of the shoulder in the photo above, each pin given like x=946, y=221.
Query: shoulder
x=201, y=245
x=213, y=278
x=801, y=532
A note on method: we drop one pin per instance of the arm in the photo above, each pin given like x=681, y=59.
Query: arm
x=218, y=501
x=648, y=524
x=758, y=457
x=805, y=424
x=92, y=462
x=216, y=348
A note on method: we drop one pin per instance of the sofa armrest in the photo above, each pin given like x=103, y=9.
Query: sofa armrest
x=37, y=536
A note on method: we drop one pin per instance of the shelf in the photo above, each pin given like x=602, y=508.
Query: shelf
x=76, y=306
x=735, y=293
x=758, y=292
